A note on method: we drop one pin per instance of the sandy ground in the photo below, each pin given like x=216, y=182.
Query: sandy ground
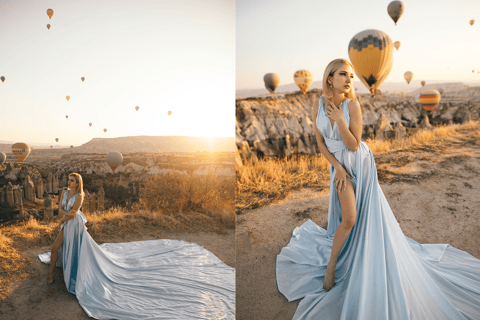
x=34, y=299
x=434, y=193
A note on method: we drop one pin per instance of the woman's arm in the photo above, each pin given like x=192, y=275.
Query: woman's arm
x=353, y=135
x=71, y=214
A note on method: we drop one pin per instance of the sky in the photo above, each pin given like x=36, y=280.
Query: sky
x=283, y=36
x=160, y=55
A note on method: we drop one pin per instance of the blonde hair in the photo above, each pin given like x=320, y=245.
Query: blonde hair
x=79, y=179
x=331, y=68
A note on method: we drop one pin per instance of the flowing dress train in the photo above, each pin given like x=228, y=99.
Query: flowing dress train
x=380, y=273
x=156, y=279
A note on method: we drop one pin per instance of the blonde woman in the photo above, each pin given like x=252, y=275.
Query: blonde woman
x=363, y=266
x=155, y=279
x=71, y=217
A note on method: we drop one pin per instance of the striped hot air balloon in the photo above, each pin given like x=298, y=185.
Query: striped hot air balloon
x=371, y=54
x=271, y=81
x=429, y=99
x=303, y=79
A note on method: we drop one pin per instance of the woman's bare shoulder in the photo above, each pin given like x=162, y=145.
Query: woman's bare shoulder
x=354, y=106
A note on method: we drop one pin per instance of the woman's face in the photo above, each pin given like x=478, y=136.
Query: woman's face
x=72, y=182
x=342, y=80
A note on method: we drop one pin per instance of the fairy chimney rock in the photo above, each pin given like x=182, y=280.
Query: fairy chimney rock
x=47, y=208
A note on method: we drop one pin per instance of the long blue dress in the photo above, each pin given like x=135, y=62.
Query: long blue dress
x=156, y=279
x=380, y=273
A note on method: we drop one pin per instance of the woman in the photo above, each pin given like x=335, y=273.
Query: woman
x=157, y=279
x=363, y=266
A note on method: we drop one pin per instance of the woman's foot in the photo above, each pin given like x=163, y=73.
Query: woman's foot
x=50, y=279
x=329, y=280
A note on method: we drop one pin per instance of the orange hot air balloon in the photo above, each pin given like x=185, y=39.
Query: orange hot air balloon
x=68, y=98
x=21, y=150
x=48, y=26
x=473, y=71
x=66, y=117
x=429, y=99
x=90, y=124
x=56, y=139
x=104, y=130
x=396, y=44
x=169, y=113
x=50, y=13
x=137, y=107
x=423, y=83
x=114, y=159
x=472, y=22
x=371, y=54
x=303, y=79
x=2, y=78
x=83, y=79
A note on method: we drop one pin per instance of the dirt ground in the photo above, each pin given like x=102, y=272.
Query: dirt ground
x=434, y=193
x=34, y=299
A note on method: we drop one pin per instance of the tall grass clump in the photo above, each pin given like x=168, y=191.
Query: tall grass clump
x=180, y=195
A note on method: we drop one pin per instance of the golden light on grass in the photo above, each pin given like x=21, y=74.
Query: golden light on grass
x=268, y=180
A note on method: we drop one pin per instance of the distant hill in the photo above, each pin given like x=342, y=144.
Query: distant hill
x=411, y=88
x=159, y=144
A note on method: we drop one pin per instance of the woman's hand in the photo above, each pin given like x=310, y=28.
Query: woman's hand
x=341, y=179
x=333, y=112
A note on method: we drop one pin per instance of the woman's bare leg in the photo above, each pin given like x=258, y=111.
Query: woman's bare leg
x=349, y=216
x=54, y=254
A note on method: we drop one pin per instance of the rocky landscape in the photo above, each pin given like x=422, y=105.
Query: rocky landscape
x=282, y=124
x=29, y=188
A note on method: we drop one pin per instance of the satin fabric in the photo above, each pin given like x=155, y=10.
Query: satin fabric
x=380, y=273
x=155, y=279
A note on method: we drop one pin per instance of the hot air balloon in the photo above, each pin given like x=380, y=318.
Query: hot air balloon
x=48, y=26
x=2, y=78
x=50, y=13
x=429, y=99
x=303, y=79
x=90, y=124
x=408, y=76
x=71, y=146
x=473, y=71
x=396, y=44
x=56, y=139
x=169, y=113
x=137, y=107
x=114, y=159
x=104, y=130
x=3, y=157
x=68, y=98
x=51, y=147
x=472, y=22
x=66, y=117
x=21, y=151
x=423, y=83
x=271, y=81
x=441, y=90
x=402, y=94
x=395, y=10
x=371, y=54
x=83, y=79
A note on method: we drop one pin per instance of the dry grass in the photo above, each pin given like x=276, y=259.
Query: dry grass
x=269, y=180
x=172, y=201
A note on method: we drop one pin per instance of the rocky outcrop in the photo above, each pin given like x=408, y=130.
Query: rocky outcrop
x=283, y=124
